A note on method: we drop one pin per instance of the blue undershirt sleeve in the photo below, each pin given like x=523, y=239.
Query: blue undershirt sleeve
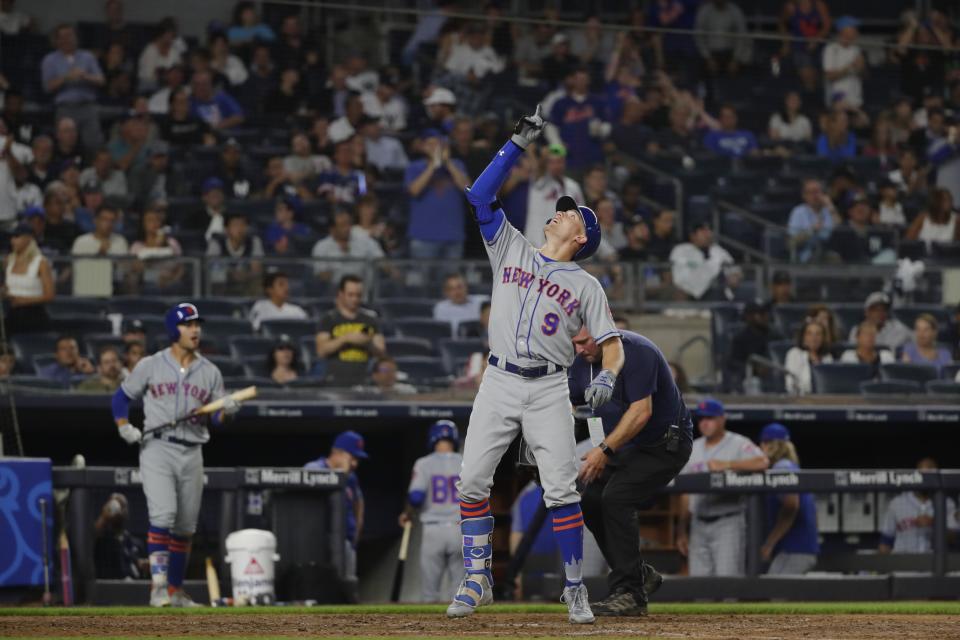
x=483, y=192
x=120, y=405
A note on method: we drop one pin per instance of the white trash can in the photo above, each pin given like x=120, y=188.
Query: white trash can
x=251, y=554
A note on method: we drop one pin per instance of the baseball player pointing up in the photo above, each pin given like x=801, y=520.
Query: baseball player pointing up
x=541, y=299
x=174, y=383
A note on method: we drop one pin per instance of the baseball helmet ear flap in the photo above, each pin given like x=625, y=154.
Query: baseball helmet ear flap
x=591, y=226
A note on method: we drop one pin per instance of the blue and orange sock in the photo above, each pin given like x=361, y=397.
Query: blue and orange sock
x=179, y=550
x=568, y=532
x=158, y=551
x=474, y=509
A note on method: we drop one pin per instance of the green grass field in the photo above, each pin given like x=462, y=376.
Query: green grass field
x=746, y=608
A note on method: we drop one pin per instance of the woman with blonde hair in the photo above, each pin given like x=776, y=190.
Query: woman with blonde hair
x=792, y=540
x=28, y=285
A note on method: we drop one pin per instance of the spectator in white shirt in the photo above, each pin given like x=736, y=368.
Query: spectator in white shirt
x=386, y=104
x=789, y=124
x=165, y=50
x=225, y=63
x=382, y=151
x=696, y=264
x=102, y=241
x=812, y=348
x=173, y=79
x=14, y=157
x=843, y=66
x=471, y=58
x=340, y=251
x=276, y=288
x=112, y=181
x=889, y=208
x=13, y=22
x=302, y=164
x=458, y=306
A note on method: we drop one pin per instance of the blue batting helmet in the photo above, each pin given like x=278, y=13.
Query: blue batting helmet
x=183, y=312
x=443, y=430
x=591, y=226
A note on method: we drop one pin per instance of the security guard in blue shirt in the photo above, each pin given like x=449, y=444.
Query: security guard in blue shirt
x=648, y=434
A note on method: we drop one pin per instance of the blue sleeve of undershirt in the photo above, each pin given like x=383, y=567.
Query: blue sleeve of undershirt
x=120, y=404
x=416, y=498
x=482, y=193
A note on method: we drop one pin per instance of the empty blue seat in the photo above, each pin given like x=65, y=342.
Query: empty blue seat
x=919, y=373
x=27, y=345
x=841, y=378
x=80, y=326
x=244, y=346
x=943, y=388
x=399, y=347
x=456, y=351
x=295, y=329
x=433, y=330
x=136, y=305
x=416, y=308
x=423, y=371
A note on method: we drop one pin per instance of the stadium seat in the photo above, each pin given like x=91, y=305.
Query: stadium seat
x=949, y=371
x=428, y=328
x=233, y=383
x=778, y=349
x=788, y=316
x=36, y=382
x=919, y=373
x=456, y=351
x=79, y=326
x=943, y=388
x=402, y=347
x=295, y=329
x=226, y=328
x=94, y=342
x=136, y=305
x=410, y=308
x=908, y=315
x=470, y=329
x=223, y=307
x=840, y=378
x=242, y=347
x=27, y=345
x=423, y=371
x=68, y=306
x=228, y=366
x=42, y=360
x=883, y=388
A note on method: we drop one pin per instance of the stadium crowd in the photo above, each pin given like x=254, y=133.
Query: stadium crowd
x=248, y=145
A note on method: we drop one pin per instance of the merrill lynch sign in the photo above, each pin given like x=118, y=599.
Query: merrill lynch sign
x=732, y=479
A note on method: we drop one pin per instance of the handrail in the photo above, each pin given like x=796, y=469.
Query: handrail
x=754, y=218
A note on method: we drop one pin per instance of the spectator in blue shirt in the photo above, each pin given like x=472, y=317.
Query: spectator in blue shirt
x=247, y=26
x=283, y=233
x=68, y=362
x=728, y=140
x=435, y=184
x=344, y=183
x=792, y=539
x=217, y=108
x=580, y=118
x=811, y=222
x=837, y=142
x=73, y=76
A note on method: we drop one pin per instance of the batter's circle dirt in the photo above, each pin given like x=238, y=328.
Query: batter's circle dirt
x=738, y=627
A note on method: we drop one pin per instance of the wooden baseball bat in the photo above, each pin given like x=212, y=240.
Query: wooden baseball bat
x=213, y=583
x=247, y=393
x=66, y=570
x=401, y=561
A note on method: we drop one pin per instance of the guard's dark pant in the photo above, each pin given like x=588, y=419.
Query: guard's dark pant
x=610, y=504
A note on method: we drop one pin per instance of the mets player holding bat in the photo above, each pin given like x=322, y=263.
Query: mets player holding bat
x=173, y=383
x=433, y=492
x=541, y=299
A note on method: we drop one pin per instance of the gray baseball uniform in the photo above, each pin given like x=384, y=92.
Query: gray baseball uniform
x=901, y=527
x=441, y=552
x=537, y=306
x=718, y=524
x=171, y=461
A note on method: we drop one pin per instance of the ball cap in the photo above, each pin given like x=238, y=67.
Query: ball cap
x=352, y=443
x=877, y=297
x=774, y=431
x=440, y=95
x=709, y=408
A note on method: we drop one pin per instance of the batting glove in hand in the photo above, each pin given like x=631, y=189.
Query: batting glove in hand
x=130, y=434
x=528, y=129
x=601, y=389
x=230, y=406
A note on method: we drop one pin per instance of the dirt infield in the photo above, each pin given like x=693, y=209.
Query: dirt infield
x=502, y=625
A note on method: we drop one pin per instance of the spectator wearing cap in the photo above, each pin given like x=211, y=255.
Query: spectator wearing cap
x=728, y=140
x=156, y=251
x=384, y=152
x=837, y=143
x=781, y=289
x=636, y=248
x=753, y=339
x=843, y=66
x=923, y=349
x=181, y=127
x=14, y=193
x=812, y=348
x=74, y=77
x=441, y=105
x=96, y=277
x=716, y=543
x=891, y=333
x=112, y=182
x=66, y=143
x=215, y=107
x=210, y=218
x=283, y=364
x=58, y=232
x=284, y=233
x=346, y=248
x=435, y=183
x=345, y=455
x=275, y=304
x=811, y=222
x=792, y=541
x=696, y=264
x=28, y=286
x=129, y=148
x=238, y=273
x=549, y=183
x=163, y=52
x=579, y=117
x=344, y=182
x=385, y=103
x=302, y=164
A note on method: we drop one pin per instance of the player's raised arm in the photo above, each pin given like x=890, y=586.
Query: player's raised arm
x=484, y=190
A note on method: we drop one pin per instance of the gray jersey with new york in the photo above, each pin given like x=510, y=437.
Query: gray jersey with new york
x=732, y=447
x=538, y=305
x=170, y=392
x=436, y=476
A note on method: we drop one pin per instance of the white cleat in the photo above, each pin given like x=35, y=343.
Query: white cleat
x=475, y=590
x=159, y=596
x=179, y=598
x=578, y=604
